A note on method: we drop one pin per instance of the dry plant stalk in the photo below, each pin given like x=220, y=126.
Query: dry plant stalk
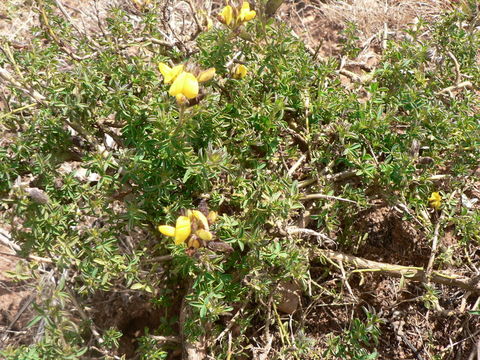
x=409, y=272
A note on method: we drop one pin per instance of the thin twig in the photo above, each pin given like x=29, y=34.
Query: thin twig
x=267, y=335
x=46, y=23
x=7, y=241
x=296, y=230
x=233, y=319
x=328, y=197
x=84, y=316
x=159, y=259
x=302, y=142
x=458, y=74
x=151, y=40
x=345, y=281
x=24, y=307
x=306, y=183
x=385, y=36
x=331, y=177
x=450, y=89
x=404, y=209
x=296, y=165
x=9, y=80
x=69, y=19
x=192, y=350
x=351, y=75
x=433, y=252
x=29, y=257
x=195, y=18
x=163, y=339
x=17, y=110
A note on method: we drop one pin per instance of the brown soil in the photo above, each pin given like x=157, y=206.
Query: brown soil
x=15, y=300
x=390, y=238
x=129, y=314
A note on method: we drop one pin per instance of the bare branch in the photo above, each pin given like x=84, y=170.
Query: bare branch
x=409, y=272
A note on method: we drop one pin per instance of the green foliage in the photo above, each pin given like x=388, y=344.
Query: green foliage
x=234, y=147
x=358, y=342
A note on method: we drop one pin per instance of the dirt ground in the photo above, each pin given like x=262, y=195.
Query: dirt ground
x=409, y=323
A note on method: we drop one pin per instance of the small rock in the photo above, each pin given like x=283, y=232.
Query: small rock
x=37, y=195
x=290, y=292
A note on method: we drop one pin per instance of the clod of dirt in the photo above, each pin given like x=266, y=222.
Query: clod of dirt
x=14, y=298
x=130, y=314
x=390, y=238
x=290, y=297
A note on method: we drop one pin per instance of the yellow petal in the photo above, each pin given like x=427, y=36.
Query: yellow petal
x=193, y=242
x=435, y=200
x=169, y=74
x=226, y=15
x=212, y=217
x=167, y=230
x=164, y=69
x=177, y=85
x=201, y=218
x=250, y=15
x=206, y=75
x=435, y=196
x=436, y=204
x=245, y=13
x=182, y=230
x=190, y=86
x=185, y=84
x=181, y=99
x=176, y=70
x=205, y=235
x=240, y=71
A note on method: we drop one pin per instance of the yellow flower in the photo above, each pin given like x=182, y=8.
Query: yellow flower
x=205, y=235
x=200, y=218
x=226, y=15
x=212, y=217
x=185, y=84
x=196, y=222
x=170, y=74
x=245, y=13
x=181, y=100
x=206, y=75
x=435, y=200
x=193, y=242
x=180, y=232
x=167, y=230
x=183, y=229
x=240, y=71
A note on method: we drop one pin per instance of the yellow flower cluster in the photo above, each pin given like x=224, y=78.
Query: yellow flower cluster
x=435, y=200
x=184, y=85
x=192, y=229
x=234, y=17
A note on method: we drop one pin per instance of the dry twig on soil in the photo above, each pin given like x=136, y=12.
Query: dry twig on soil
x=408, y=272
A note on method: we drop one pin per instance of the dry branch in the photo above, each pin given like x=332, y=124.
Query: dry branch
x=332, y=177
x=164, y=339
x=409, y=272
x=7, y=78
x=450, y=89
x=328, y=197
x=192, y=350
